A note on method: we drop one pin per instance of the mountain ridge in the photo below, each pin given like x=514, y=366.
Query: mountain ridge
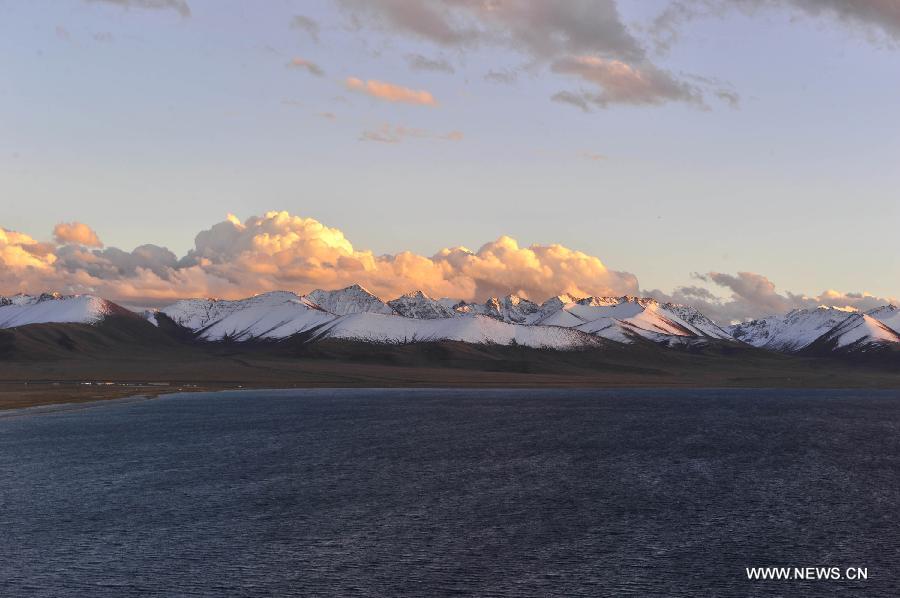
x=563, y=322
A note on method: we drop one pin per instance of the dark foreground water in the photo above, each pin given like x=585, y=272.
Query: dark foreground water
x=471, y=492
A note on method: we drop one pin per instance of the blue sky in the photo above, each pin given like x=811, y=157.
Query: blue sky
x=151, y=124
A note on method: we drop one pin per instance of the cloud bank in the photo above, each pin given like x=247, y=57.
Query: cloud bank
x=278, y=250
x=281, y=251
x=753, y=295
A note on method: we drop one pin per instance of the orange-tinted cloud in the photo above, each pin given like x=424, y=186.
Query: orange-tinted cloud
x=622, y=83
x=76, y=232
x=390, y=92
x=281, y=251
x=19, y=252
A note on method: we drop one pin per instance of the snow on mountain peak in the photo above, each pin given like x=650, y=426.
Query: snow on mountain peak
x=859, y=331
x=791, y=332
x=479, y=329
x=278, y=314
x=21, y=310
x=420, y=306
x=511, y=308
x=351, y=300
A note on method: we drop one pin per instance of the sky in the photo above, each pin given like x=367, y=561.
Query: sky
x=741, y=156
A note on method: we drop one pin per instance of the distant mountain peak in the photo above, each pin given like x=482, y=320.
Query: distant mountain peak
x=349, y=300
x=858, y=332
x=418, y=305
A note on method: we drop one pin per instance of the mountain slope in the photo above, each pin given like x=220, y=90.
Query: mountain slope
x=791, y=332
x=889, y=315
x=379, y=328
x=858, y=332
x=621, y=318
x=275, y=315
x=22, y=310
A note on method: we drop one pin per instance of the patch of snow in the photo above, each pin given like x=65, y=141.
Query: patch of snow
x=861, y=330
x=271, y=315
x=21, y=310
x=377, y=328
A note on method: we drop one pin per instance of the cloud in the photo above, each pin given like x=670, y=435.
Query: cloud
x=433, y=21
x=76, y=232
x=397, y=133
x=19, y=252
x=754, y=296
x=281, y=251
x=309, y=26
x=278, y=250
x=418, y=62
x=310, y=67
x=179, y=6
x=729, y=97
x=594, y=157
x=545, y=30
x=880, y=15
x=575, y=99
x=877, y=18
x=584, y=38
x=390, y=92
x=621, y=83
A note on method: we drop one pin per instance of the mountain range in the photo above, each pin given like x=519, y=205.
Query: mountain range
x=562, y=322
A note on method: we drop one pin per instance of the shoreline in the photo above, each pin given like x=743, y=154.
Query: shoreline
x=65, y=403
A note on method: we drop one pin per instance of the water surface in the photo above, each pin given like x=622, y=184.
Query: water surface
x=452, y=492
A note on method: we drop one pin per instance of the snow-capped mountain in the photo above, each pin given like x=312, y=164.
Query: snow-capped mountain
x=379, y=328
x=622, y=318
x=420, y=306
x=561, y=322
x=615, y=318
x=791, y=332
x=511, y=309
x=858, y=332
x=350, y=314
x=21, y=310
x=888, y=315
x=280, y=315
x=351, y=300
x=274, y=315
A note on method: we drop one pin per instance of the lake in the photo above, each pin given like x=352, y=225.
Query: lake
x=452, y=492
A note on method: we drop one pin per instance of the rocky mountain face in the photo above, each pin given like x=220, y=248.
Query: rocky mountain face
x=420, y=306
x=351, y=300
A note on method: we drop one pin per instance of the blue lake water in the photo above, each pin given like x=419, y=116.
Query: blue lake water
x=452, y=492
